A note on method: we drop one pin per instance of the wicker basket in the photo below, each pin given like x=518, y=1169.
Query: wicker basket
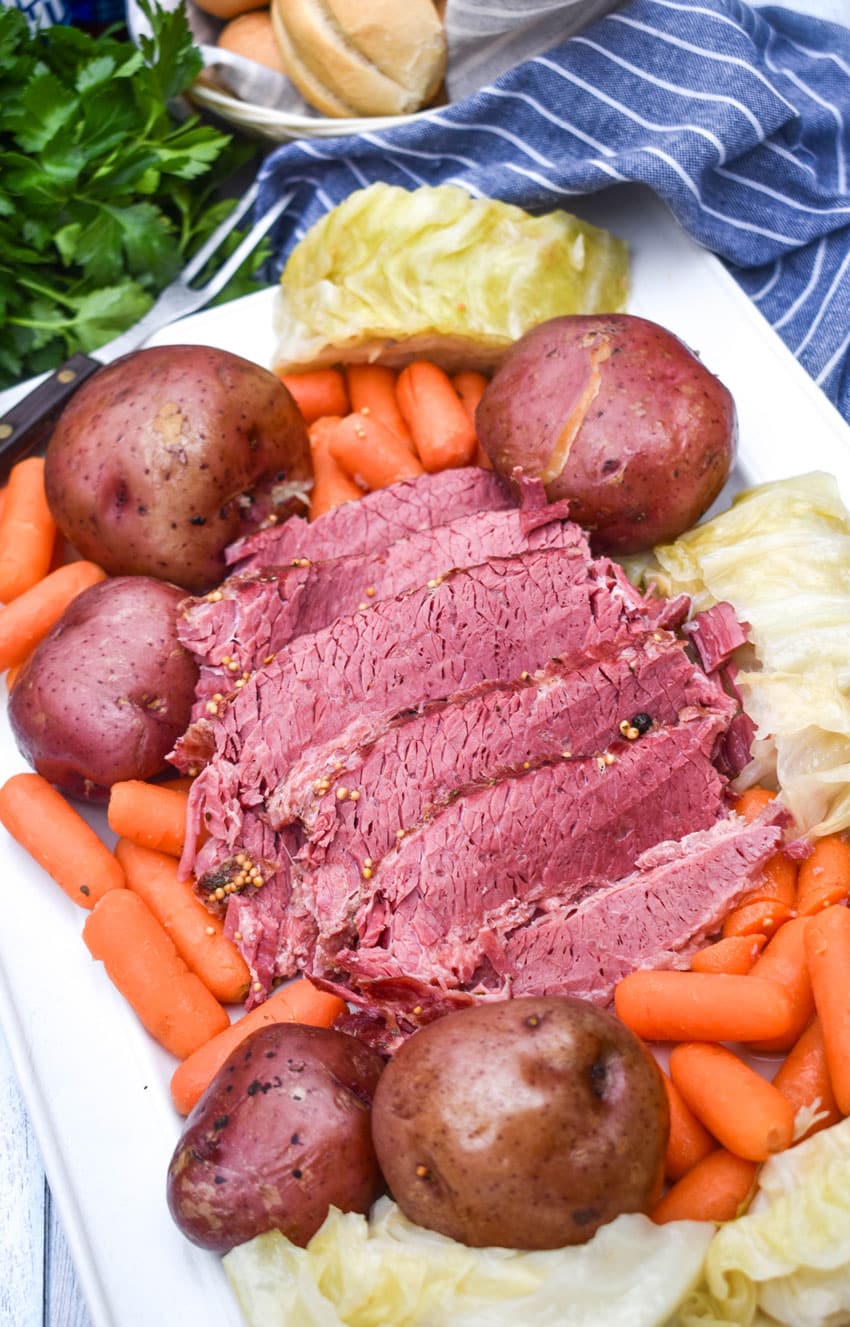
x=250, y=97
x=279, y=125
x=265, y=104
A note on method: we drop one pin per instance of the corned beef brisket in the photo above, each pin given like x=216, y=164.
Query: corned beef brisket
x=376, y=520
x=258, y=612
x=502, y=772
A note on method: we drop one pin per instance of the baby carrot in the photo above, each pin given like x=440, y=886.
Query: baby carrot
x=752, y=802
x=702, y=1006
x=470, y=387
x=298, y=1002
x=27, y=530
x=59, y=839
x=770, y=903
x=718, y=1188
x=763, y=917
x=688, y=1141
x=784, y=961
x=317, y=392
x=735, y=954
x=803, y=1079
x=443, y=433
x=27, y=619
x=744, y=1112
x=778, y=882
x=148, y=814
x=331, y=485
x=198, y=937
x=371, y=391
x=142, y=962
x=824, y=877
x=828, y=955
x=370, y=453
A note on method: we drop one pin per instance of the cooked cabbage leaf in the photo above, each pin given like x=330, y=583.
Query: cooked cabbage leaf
x=392, y=273
x=781, y=556
x=789, y=1256
x=388, y=1272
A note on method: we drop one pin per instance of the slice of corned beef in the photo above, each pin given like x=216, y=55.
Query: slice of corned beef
x=423, y=757
x=716, y=634
x=247, y=877
x=420, y=764
x=654, y=918
x=375, y=520
x=231, y=630
x=496, y=853
x=487, y=622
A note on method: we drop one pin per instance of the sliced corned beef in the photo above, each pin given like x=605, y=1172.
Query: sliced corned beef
x=419, y=764
x=716, y=634
x=475, y=856
x=491, y=856
x=274, y=935
x=486, y=622
x=375, y=520
x=654, y=918
x=231, y=630
x=423, y=759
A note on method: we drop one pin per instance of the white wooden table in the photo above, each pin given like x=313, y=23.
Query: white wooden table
x=38, y=1287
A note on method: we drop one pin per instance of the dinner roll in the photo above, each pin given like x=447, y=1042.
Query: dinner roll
x=362, y=57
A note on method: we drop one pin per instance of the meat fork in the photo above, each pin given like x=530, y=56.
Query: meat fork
x=29, y=423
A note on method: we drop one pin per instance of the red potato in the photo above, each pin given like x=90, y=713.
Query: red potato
x=281, y=1134
x=523, y=1123
x=108, y=691
x=615, y=413
x=166, y=456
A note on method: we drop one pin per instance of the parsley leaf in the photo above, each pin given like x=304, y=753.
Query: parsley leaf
x=105, y=189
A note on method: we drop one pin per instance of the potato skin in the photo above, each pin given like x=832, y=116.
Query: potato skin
x=616, y=413
x=523, y=1124
x=108, y=691
x=280, y=1135
x=149, y=463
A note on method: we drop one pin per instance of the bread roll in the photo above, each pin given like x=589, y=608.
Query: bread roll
x=362, y=57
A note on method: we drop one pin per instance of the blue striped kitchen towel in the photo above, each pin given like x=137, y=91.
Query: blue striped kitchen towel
x=739, y=118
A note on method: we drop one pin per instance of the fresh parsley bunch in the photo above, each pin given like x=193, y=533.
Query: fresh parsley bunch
x=104, y=191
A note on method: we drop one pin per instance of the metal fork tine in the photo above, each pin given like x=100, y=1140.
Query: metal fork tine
x=219, y=235
x=223, y=274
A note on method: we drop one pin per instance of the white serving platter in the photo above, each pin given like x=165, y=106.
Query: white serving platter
x=95, y=1084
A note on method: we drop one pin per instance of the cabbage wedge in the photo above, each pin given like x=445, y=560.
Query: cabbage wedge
x=788, y=1259
x=781, y=556
x=387, y=1272
x=392, y=274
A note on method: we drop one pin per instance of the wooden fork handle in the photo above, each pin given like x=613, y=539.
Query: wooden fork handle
x=27, y=426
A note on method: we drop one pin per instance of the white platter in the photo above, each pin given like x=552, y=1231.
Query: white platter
x=95, y=1084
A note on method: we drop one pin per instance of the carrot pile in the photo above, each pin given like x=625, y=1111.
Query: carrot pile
x=370, y=425
x=161, y=948
x=780, y=990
